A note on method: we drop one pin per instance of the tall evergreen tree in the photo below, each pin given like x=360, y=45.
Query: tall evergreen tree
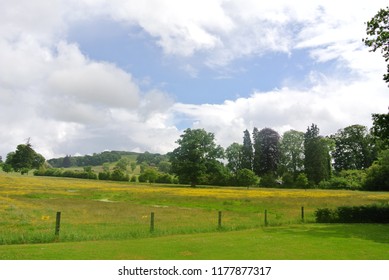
x=317, y=161
x=267, y=151
x=247, y=151
x=257, y=152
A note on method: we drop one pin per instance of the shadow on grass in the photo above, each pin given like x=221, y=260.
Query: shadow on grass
x=374, y=232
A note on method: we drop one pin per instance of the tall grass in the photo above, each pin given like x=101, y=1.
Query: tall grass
x=102, y=210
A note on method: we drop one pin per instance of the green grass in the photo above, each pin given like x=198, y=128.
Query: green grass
x=103, y=213
x=303, y=242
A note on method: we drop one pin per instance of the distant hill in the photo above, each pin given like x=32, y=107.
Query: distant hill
x=90, y=160
x=98, y=159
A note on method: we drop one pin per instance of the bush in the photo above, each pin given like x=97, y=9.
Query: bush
x=54, y=172
x=325, y=215
x=119, y=175
x=246, y=177
x=104, y=175
x=133, y=178
x=354, y=214
x=346, y=180
x=335, y=183
x=377, y=177
x=288, y=180
x=301, y=181
x=268, y=181
x=164, y=178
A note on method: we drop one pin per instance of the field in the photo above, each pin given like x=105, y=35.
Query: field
x=111, y=220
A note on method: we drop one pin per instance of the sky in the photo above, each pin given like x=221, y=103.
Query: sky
x=84, y=76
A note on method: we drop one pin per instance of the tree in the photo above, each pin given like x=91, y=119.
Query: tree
x=354, y=148
x=267, y=148
x=122, y=164
x=234, y=154
x=67, y=161
x=165, y=166
x=247, y=151
x=317, y=160
x=25, y=158
x=257, y=151
x=380, y=129
x=246, y=177
x=292, y=152
x=377, y=177
x=377, y=31
x=195, y=156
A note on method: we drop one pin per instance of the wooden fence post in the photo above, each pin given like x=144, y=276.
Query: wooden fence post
x=266, y=223
x=152, y=222
x=220, y=220
x=57, y=225
x=302, y=214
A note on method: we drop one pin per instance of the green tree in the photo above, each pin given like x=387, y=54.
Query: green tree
x=267, y=148
x=247, y=151
x=234, y=157
x=196, y=153
x=317, y=160
x=377, y=31
x=25, y=158
x=377, y=177
x=301, y=181
x=292, y=152
x=133, y=166
x=7, y=167
x=122, y=164
x=67, y=161
x=380, y=129
x=165, y=166
x=354, y=148
x=246, y=177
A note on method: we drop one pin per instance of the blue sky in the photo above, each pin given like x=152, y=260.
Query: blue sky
x=81, y=76
x=187, y=79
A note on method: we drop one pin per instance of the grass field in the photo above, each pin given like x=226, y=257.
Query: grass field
x=115, y=217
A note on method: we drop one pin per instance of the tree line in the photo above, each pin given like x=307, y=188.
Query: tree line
x=352, y=158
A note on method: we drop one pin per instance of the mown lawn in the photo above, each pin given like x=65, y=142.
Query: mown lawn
x=302, y=242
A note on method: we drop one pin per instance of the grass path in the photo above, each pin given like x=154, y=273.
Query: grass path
x=300, y=242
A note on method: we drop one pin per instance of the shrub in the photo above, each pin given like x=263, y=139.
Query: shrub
x=164, y=178
x=133, y=178
x=119, y=175
x=354, y=214
x=268, y=180
x=301, y=181
x=325, y=215
x=246, y=177
x=104, y=175
x=377, y=177
x=287, y=180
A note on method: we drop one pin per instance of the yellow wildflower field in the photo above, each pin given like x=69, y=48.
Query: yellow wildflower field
x=96, y=210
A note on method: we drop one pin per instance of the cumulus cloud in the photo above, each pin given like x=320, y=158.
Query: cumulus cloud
x=331, y=105
x=69, y=103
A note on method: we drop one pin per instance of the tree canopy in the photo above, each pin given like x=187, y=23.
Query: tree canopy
x=377, y=31
x=196, y=156
x=24, y=158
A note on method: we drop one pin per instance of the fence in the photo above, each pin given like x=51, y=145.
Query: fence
x=153, y=224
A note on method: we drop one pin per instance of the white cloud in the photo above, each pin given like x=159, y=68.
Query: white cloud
x=332, y=105
x=68, y=103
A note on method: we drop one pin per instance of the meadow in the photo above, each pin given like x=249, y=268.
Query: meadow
x=109, y=215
